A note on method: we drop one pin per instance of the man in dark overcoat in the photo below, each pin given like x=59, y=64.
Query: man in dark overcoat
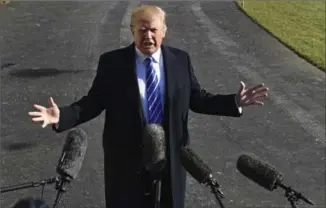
x=146, y=82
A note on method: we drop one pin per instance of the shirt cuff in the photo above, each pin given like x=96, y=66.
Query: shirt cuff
x=240, y=110
x=239, y=107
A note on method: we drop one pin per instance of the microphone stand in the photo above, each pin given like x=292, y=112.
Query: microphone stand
x=215, y=189
x=31, y=184
x=293, y=196
x=60, y=186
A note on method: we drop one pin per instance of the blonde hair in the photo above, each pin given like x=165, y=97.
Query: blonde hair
x=146, y=13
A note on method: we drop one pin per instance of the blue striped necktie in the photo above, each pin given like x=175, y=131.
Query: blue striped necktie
x=153, y=94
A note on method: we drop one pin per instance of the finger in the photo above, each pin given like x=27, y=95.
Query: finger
x=259, y=97
x=35, y=113
x=257, y=87
x=251, y=99
x=260, y=90
x=256, y=102
x=39, y=107
x=253, y=102
x=51, y=102
x=38, y=119
x=246, y=102
x=44, y=124
x=241, y=99
x=242, y=87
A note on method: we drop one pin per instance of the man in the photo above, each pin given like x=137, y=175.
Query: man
x=136, y=90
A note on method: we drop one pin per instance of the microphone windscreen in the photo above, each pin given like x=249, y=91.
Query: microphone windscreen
x=73, y=154
x=194, y=165
x=154, y=155
x=261, y=173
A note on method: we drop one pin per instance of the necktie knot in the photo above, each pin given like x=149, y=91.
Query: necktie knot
x=148, y=61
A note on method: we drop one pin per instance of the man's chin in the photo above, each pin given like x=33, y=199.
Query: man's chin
x=148, y=50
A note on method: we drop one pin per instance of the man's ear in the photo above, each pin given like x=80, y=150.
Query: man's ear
x=131, y=29
x=164, y=31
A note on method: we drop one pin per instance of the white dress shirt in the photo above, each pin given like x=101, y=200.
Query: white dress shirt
x=141, y=76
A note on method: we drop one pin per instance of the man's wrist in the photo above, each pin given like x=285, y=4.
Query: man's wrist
x=56, y=125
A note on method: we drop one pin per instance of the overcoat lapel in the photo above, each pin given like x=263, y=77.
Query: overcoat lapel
x=170, y=64
x=130, y=64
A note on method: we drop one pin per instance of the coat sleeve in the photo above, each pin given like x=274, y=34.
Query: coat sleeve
x=86, y=108
x=204, y=102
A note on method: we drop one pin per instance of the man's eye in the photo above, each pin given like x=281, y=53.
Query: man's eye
x=145, y=30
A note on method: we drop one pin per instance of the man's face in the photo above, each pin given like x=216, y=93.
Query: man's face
x=148, y=34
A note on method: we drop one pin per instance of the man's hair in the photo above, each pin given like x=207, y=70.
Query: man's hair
x=147, y=11
x=30, y=202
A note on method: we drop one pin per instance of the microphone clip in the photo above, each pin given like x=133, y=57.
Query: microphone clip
x=215, y=189
x=60, y=187
x=294, y=196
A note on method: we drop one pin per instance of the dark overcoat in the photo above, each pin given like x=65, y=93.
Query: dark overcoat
x=115, y=90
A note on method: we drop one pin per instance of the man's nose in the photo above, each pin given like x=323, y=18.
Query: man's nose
x=148, y=34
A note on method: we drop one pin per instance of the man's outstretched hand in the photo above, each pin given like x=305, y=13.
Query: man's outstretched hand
x=251, y=96
x=45, y=115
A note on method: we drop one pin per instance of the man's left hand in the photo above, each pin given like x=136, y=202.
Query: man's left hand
x=251, y=96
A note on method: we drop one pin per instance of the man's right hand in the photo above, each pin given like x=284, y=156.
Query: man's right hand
x=45, y=115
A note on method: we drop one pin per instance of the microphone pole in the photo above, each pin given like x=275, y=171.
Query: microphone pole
x=30, y=184
x=158, y=185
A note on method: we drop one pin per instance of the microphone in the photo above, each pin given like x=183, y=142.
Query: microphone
x=73, y=153
x=69, y=165
x=71, y=160
x=200, y=171
x=154, y=156
x=267, y=176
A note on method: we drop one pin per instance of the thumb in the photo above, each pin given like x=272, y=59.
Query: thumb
x=44, y=124
x=51, y=102
x=242, y=86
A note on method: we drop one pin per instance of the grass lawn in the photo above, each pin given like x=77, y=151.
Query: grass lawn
x=298, y=24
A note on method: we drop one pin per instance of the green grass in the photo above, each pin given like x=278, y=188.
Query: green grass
x=298, y=24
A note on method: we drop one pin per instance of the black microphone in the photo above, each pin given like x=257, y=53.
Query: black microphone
x=68, y=167
x=154, y=156
x=266, y=176
x=71, y=160
x=73, y=153
x=200, y=171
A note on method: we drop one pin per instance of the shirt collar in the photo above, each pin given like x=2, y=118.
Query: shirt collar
x=156, y=56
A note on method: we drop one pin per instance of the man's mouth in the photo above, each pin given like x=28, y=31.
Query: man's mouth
x=148, y=44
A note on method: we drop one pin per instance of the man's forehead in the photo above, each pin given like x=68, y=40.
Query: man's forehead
x=153, y=23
